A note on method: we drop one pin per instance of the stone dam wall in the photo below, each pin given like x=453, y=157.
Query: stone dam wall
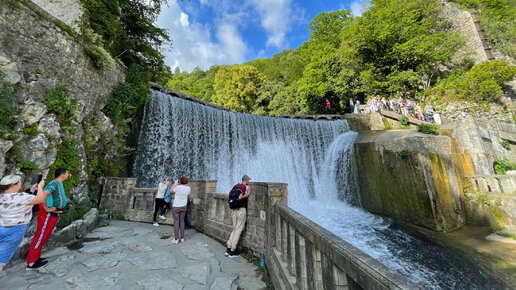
x=299, y=254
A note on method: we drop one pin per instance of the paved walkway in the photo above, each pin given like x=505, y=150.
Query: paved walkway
x=127, y=255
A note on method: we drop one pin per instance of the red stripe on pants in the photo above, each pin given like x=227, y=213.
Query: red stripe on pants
x=48, y=222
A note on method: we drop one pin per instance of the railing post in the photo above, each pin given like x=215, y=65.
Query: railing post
x=300, y=262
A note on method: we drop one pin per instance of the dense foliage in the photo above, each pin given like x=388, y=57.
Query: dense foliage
x=498, y=19
x=7, y=97
x=397, y=48
x=65, y=107
x=126, y=29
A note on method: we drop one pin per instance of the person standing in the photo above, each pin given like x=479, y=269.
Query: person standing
x=357, y=107
x=328, y=106
x=159, y=201
x=238, y=216
x=179, y=208
x=48, y=216
x=15, y=215
x=351, y=105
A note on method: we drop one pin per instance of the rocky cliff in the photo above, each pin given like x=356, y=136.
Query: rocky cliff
x=39, y=52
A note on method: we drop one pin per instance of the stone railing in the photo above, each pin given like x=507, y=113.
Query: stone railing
x=299, y=253
x=493, y=183
x=307, y=256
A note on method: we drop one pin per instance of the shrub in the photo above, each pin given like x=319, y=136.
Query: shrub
x=64, y=106
x=404, y=121
x=31, y=130
x=8, y=116
x=505, y=144
x=27, y=167
x=428, y=128
x=387, y=125
x=73, y=211
x=502, y=165
x=93, y=43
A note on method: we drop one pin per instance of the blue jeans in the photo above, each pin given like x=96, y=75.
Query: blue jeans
x=10, y=239
x=427, y=117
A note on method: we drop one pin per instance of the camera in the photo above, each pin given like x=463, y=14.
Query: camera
x=36, y=179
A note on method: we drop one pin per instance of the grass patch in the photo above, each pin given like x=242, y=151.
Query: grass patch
x=264, y=272
x=428, y=129
x=507, y=235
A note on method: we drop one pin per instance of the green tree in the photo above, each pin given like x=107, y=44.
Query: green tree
x=238, y=87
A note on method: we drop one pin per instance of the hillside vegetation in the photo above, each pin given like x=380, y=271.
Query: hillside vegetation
x=398, y=48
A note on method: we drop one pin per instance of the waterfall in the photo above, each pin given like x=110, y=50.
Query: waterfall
x=179, y=137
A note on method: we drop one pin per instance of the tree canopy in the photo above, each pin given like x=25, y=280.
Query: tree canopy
x=397, y=48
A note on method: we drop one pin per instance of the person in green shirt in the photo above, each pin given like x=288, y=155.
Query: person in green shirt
x=48, y=216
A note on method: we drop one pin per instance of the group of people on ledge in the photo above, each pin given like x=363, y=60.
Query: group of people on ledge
x=16, y=209
x=399, y=105
x=181, y=190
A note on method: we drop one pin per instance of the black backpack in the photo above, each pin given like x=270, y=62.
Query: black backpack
x=234, y=202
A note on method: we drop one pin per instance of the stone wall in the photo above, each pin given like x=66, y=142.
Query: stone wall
x=68, y=11
x=412, y=177
x=483, y=140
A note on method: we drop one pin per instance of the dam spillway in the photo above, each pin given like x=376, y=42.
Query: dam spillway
x=179, y=137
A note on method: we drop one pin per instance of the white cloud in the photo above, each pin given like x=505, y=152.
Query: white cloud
x=193, y=44
x=275, y=18
x=360, y=6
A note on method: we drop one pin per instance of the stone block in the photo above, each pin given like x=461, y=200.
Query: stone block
x=508, y=184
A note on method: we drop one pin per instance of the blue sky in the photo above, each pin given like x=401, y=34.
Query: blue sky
x=207, y=32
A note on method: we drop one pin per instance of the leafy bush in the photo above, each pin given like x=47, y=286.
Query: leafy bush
x=72, y=212
x=505, y=144
x=387, y=125
x=94, y=47
x=404, y=121
x=64, y=106
x=428, y=128
x=67, y=157
x=483, y=83
x=31, y=130
x=27, y=167
x=7, y=97
x=502, y=165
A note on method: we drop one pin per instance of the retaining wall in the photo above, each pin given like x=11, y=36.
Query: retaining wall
x=299, y=253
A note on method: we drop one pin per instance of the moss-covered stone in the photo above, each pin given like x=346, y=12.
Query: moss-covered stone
x=420, y=186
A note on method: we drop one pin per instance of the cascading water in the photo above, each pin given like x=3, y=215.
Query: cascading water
x=179, y=137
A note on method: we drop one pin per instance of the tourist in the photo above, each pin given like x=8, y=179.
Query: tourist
x=179, y=208
x=427, y=113
x=351, y=105
x=15, y=214
x=328, y=106
x=159, y=201
x=419, y=112
x=238, y=216
x=48, y=216
x=357, y=107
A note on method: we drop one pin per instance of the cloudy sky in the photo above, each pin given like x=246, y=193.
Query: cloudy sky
x=208, y=32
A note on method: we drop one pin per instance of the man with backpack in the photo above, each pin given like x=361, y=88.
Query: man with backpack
x=238, y=205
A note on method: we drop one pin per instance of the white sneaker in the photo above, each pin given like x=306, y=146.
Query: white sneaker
x=155, y=224
x=162, y=217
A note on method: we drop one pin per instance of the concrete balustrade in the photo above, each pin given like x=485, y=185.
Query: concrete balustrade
x=307, y=256
x=299, y=253
x=493, y=183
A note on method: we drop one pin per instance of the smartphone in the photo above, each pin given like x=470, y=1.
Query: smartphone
x=36, y=178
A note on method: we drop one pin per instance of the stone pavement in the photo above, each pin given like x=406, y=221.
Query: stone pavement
x=127, y=255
